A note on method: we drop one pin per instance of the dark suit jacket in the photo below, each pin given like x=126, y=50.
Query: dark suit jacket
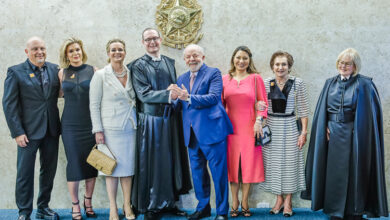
x=205, y=114
x=26, y=108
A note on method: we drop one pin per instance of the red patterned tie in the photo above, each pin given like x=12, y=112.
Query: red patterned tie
x=192, y=80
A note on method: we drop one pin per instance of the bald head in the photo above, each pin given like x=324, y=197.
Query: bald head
x=36, y=51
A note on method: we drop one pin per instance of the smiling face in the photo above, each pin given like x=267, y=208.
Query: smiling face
x=194, y=58
x=241, y=61
x=346, y=66
x=280, y=67
x=116, y=52
x=151, y=40
x=36, y=51
x=74, y=54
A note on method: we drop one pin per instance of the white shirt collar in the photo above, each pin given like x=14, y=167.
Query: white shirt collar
x=345, y=77
x=153, y=57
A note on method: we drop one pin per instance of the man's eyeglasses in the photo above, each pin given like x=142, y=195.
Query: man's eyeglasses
x=148, y=40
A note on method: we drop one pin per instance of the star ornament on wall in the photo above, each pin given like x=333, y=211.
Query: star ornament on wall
x=179, y=21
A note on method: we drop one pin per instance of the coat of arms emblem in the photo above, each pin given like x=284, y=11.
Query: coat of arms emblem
x=179, y=22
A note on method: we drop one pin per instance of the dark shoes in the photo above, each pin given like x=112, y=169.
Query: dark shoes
x=149, y=215
x=221, y=217
x=23, y=217
x=47, y=214
x=206, y=212
x=176, y=211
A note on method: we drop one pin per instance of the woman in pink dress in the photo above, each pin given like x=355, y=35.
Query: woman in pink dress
x=245, y=163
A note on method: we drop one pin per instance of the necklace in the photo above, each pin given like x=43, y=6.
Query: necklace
x=281, y=83
x=120, y=75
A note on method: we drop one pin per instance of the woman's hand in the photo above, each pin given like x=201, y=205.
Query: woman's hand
x=258, y=129
x=301, y=140
x=261, y=106
x=99, y=137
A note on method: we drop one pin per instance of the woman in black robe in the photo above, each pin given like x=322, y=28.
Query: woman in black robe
x=345, y=162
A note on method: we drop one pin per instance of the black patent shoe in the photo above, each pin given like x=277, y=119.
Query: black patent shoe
x=150, y=215
x=206, y=212
x=47, y=214
x=90, y=213
x=23, y=217
x=221, y=217
x=76, y=215
x=176, y=211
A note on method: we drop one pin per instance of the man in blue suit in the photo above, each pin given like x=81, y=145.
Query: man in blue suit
x=206, y=126
x=30, y=107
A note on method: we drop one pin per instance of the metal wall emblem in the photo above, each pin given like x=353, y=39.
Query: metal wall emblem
x=179, y=22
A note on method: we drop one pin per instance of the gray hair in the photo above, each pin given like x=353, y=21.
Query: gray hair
x=355, y=57
x=194, y=46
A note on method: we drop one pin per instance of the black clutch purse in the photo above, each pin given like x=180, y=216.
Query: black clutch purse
x=266, y=139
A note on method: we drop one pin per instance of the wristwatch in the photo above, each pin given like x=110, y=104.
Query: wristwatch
x=188, y=98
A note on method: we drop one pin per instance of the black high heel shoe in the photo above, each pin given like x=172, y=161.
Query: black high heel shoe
x=78, y=213
x=90, y=214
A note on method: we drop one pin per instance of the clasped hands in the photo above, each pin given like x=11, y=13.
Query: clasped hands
x=177, y=92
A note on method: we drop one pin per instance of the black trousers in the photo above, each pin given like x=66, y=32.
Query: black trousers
x=48, y=155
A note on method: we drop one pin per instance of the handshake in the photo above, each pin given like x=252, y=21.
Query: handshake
x=177, y=92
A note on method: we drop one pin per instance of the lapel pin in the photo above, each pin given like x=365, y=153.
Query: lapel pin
x=72, y=76
x=272, y=83
x=32, y=75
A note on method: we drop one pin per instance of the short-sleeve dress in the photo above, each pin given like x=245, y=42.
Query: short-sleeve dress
x=76, y=122
x=283, y=161
x=239, y=100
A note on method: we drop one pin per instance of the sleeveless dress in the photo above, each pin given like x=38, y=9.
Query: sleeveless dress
x=76, y=122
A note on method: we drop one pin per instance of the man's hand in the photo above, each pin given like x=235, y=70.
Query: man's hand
x=21, y=140
x=174, y=94
x=182, y=92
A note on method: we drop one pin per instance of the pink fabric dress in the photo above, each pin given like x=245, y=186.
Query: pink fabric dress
x=239, y=100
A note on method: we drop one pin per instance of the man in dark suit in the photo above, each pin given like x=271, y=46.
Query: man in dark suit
x=30, y=107
x=206, y=126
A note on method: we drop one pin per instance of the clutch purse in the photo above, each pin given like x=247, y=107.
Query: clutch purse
x=102, y=161
x=266, y=139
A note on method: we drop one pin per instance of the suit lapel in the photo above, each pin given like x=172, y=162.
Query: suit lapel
x=198, y=79
x=115, y=83
x=33, y=78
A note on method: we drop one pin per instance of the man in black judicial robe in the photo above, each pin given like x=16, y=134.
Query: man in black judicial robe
x=162, y=168
x=345, y=173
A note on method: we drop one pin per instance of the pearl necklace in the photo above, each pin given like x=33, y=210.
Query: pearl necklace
x=120, y=75
x=281, y=83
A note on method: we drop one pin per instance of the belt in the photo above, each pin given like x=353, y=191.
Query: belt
x=281, y=115
x=348, y=117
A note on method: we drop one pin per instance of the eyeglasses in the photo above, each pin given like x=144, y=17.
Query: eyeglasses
x=347, y=64
x=148, y=40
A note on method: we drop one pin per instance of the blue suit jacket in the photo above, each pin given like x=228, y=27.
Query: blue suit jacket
x=205, y=114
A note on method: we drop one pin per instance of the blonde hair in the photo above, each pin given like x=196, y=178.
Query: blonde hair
x=64, y=61
x=355, y=57
x=115, y=40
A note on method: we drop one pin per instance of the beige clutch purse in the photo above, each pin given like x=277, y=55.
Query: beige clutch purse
x=101, y=161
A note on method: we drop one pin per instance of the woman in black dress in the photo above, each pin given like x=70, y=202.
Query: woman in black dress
x=75, y=77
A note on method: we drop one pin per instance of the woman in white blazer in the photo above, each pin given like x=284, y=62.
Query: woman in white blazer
x=114, y=122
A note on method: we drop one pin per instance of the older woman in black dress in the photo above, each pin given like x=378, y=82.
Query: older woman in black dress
x=345, y=162
x=75, y=77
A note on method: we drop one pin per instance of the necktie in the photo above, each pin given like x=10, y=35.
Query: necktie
x=192, y=80
x=44, y=80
